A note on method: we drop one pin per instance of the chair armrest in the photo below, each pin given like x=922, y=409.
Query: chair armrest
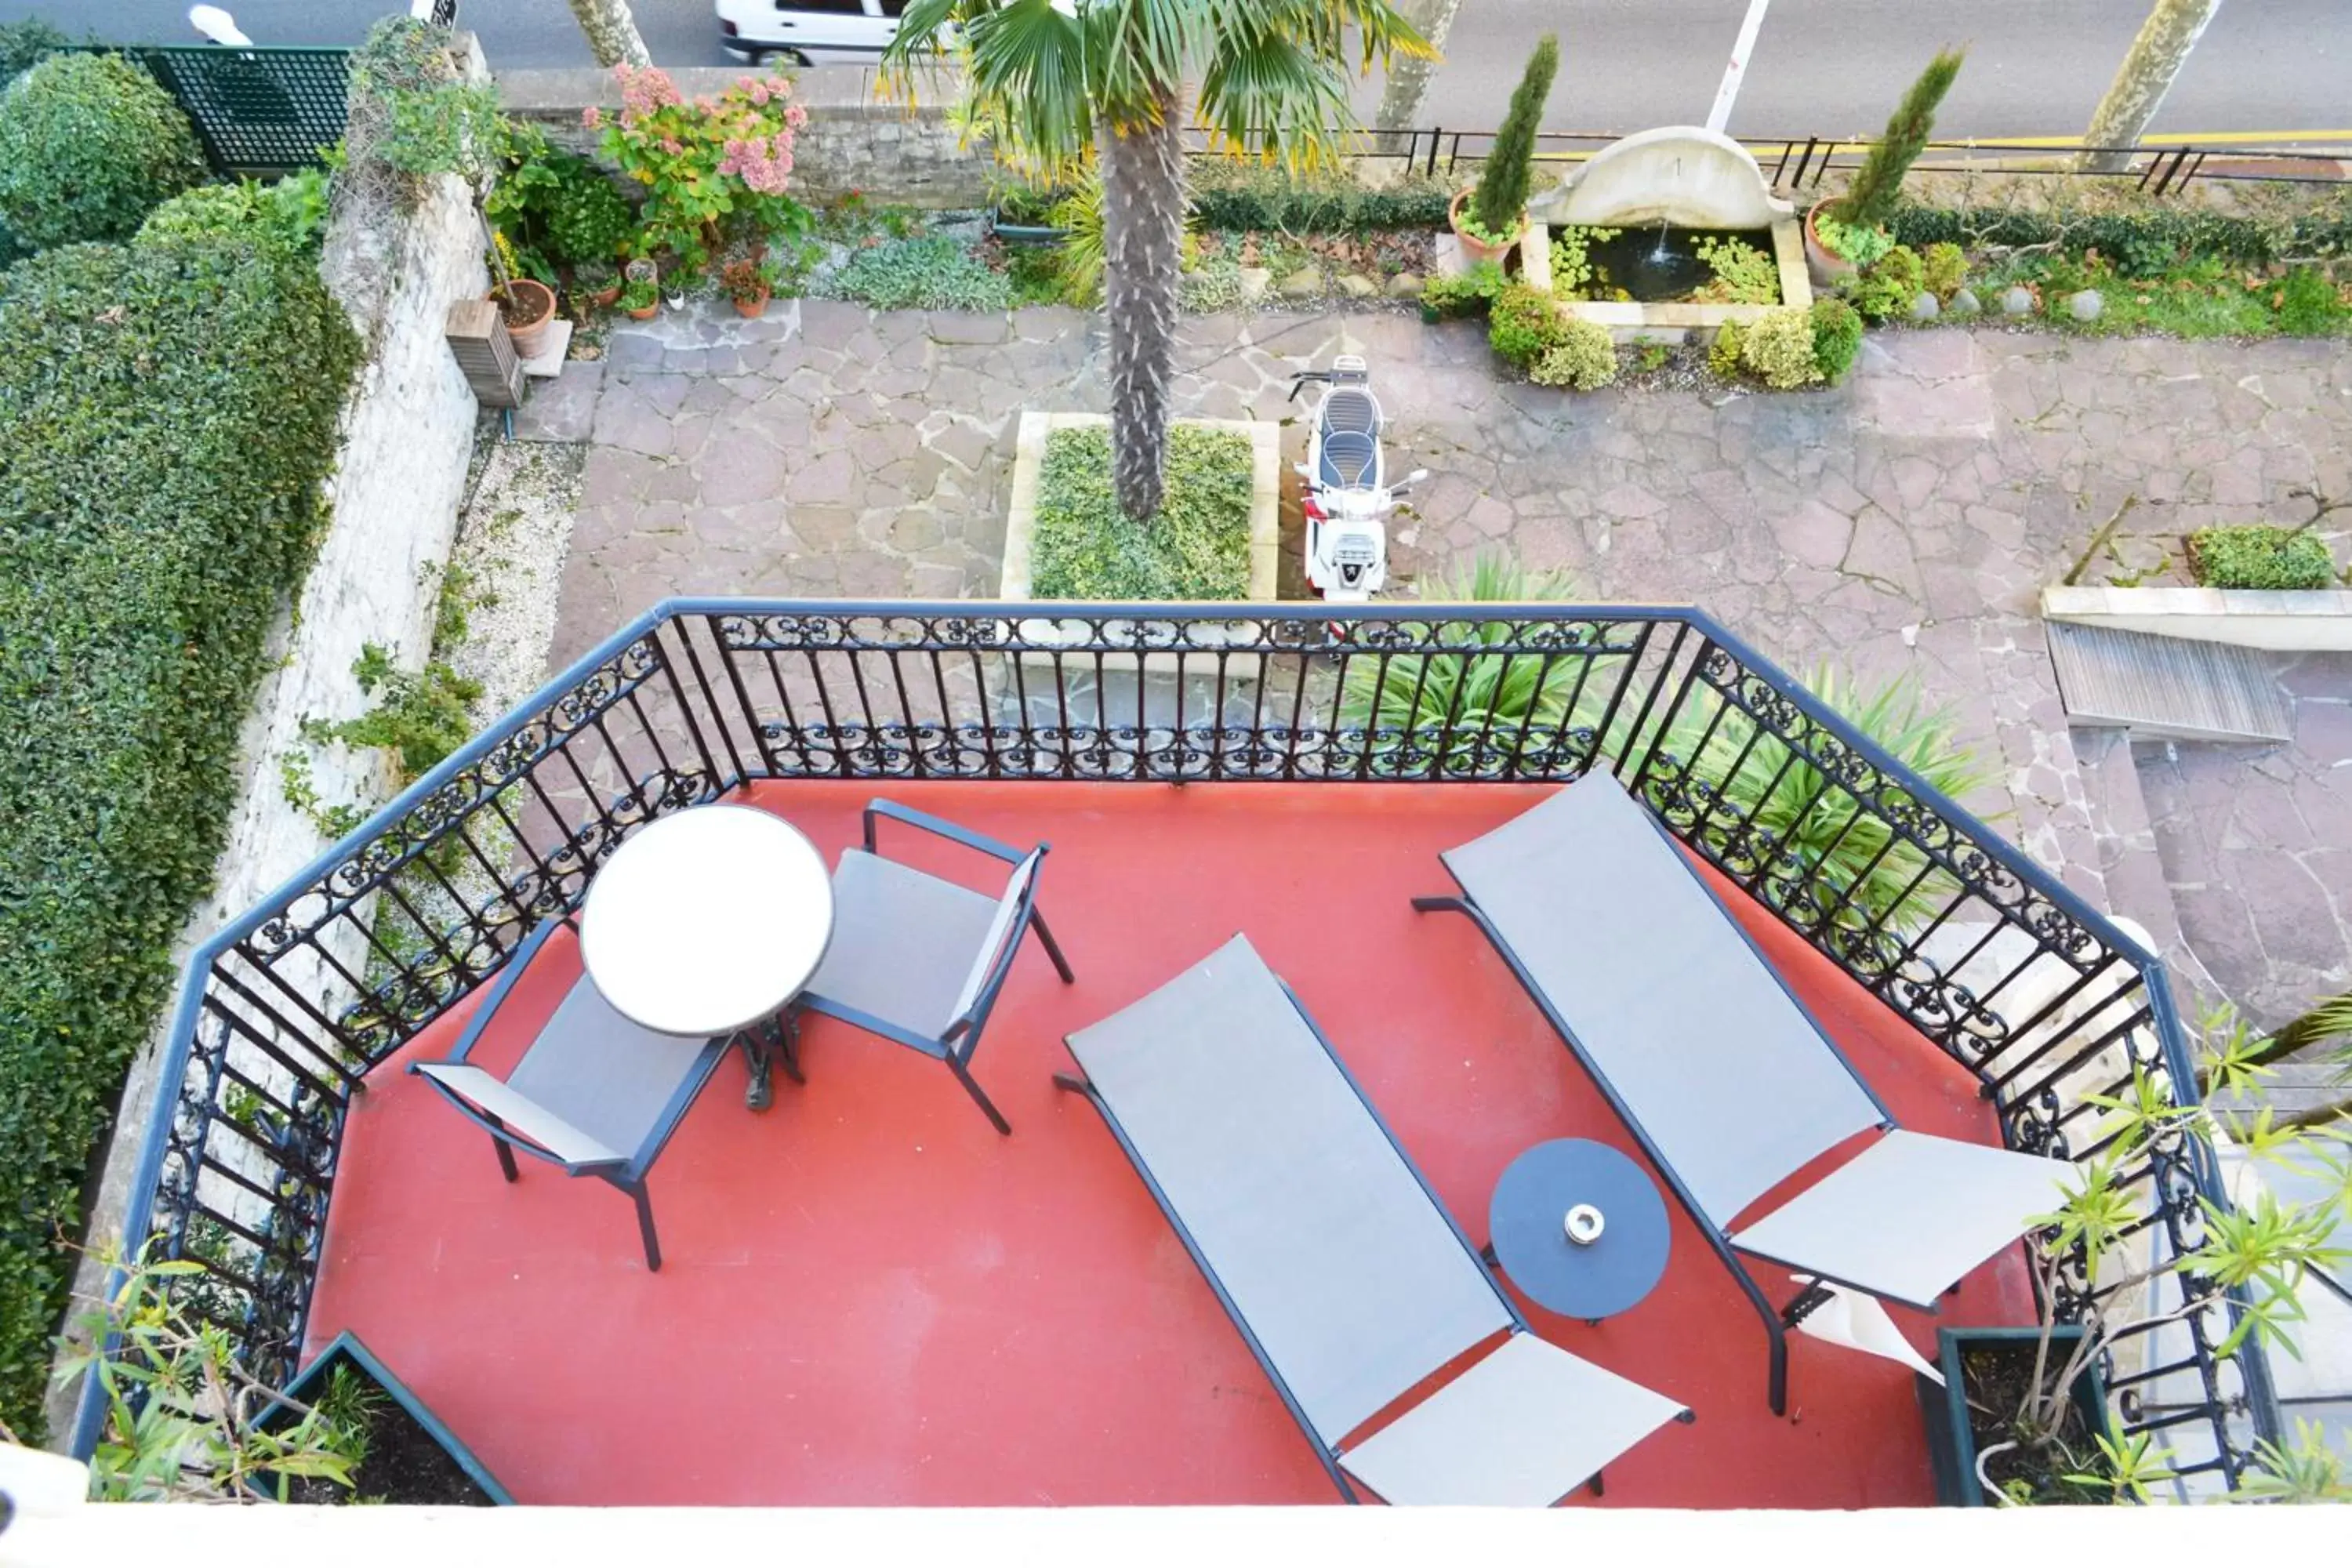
x=939, y=825
x=516, y=961
x=490, y=1105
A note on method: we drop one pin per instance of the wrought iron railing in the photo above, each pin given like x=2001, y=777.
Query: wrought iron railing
x=1984, y=953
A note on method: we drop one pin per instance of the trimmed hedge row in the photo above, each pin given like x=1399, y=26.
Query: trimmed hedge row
x=1267, y=199
x=171, y=407
x=2138, y=243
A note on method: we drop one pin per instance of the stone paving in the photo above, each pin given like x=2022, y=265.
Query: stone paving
x=1904, y=521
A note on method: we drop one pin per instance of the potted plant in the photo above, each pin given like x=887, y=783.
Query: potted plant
x=598, y=282
x=2021, y=1414
x=1023, y=214
x=749, y=283
x=1489, y=218
x=640, y=297
x=1837, y=250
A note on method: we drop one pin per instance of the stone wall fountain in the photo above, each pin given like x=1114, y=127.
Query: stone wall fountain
x=1657, y=186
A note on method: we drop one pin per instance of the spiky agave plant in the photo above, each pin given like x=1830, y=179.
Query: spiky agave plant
x=1834, y=858
x=1473, y=712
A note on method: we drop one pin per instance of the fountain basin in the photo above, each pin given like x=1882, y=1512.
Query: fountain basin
x=1693, y=181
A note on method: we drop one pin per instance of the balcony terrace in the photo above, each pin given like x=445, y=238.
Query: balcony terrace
x=869, y=1297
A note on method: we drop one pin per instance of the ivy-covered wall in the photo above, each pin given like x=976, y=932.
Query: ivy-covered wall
x=171, y=409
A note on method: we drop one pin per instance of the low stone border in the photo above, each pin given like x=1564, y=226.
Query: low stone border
x=2315, y=620
x=1021, y=521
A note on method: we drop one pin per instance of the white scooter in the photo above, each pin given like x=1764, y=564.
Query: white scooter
x=1348, y=496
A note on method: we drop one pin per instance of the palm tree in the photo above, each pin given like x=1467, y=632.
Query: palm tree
x=1059, y=79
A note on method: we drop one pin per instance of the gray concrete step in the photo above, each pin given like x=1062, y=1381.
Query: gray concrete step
x=2166, y=687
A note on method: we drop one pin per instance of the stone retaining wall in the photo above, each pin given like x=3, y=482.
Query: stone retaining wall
x=853, y=142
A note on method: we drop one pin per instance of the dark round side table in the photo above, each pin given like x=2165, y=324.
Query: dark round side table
x=1578, y=1228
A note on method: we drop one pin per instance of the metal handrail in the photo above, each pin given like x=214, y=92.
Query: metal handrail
x=1679, y=658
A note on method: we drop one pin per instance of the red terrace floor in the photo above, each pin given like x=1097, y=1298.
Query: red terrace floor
x=867, y=1297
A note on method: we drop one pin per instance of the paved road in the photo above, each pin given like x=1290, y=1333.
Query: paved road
x=1822, y=67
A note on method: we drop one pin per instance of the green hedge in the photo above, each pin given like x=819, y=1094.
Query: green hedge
x=171, y=409
x=2138, y=243
x=1266, y=198
x=1196, y=548
x=2260, y=556
x=89, y=145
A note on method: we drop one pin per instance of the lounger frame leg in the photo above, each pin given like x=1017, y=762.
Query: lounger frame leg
x=506, y=1154
x=1076, y=1084
x=1775, y=1330
x=1053, y=948
x=971, y=1088
x=636, y=1191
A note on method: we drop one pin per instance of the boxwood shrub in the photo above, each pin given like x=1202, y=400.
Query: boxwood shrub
x=1242, y=197
x=89, y=144
x=2140, y=244
x=171, y=407
x=2261, y=557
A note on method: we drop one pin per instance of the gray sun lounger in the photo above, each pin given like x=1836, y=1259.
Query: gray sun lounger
x=1727, y=1081
x=1346, y=1278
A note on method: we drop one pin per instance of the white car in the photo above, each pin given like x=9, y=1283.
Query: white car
x=809, y=32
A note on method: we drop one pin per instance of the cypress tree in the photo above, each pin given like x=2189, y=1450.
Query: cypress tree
x=1870, y=200
x=1502, y=194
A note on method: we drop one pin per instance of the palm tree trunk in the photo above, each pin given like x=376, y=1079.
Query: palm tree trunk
x=611, y=32
x=1408, y=80
x=1143, y=234
x=2157, y=55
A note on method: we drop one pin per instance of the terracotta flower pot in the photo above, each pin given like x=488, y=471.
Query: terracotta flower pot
x=603, y=298
x=645, y=312
x=753, y=306
x=1826, y=265
x=530, y=312
x=1473, y=247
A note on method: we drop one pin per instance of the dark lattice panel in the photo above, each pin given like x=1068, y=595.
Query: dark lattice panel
x=257, y=111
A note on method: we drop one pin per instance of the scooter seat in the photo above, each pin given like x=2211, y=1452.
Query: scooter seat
x=1351, y=408
x=1349, y=457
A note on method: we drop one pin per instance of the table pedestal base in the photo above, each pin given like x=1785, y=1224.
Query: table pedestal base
x=763, y=1043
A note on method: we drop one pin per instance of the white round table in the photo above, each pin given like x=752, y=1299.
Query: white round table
x=706, y=923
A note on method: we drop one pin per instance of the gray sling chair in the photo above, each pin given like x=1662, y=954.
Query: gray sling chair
x=594, y=1094
x=1348, y=1279
x=1719, y=1071
x=919, y=960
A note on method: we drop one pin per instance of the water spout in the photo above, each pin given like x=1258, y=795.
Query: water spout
x=1660, y=254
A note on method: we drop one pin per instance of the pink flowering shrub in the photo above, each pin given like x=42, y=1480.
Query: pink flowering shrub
x=720, y=156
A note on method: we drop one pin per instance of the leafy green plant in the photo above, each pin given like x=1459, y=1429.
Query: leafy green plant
x=2260, y=556
x=1500, y=201
x=2264, y=1248
x=418, y=716
x=2308, y=305
x=720, y=156
x=1582, y=355
x=550, y=200
x=1837, y=337
x=1571, y=264
x=1081, y=259
x=1885, y=289
x=1197, y=547
x=1524, y=322
x=1877, y=185
x=159, y=496
x=1943, y=266
x=410, y=112
x=1723, y=355
x=1471, y=293
x=639, y=294
x=180, y=1422
x=89, y=145
x=290, y=213
x=1807, y=827
x=24, y=45
x=1858, y=243
x=2140, y=244
x=934, y=273
x=1778, y=346
x=1475, y=711
x=1743, y=274
x=1214, y=285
